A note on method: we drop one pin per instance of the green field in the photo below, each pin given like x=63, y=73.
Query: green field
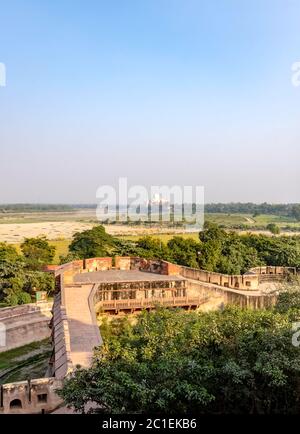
x=250, y=221
x=62, y=248
x=28, y=361
x=163, y=237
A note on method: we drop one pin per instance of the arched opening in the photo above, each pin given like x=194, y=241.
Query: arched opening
x=15, y=403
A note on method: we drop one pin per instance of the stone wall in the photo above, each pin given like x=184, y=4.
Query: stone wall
x=170, y=269
x=136, y=263
x=250, y=301
x=248, y=281
x=60, y=362
x=219, y=297
x=123, y=262
x=68, y=271
x=97, y=264
x=284, y=271
x=244, y=282
x=34, y=396
x=25, y=324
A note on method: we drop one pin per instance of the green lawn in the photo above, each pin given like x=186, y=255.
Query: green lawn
x=163, y=237
x=62, y=248
x=28, y=361
x=248, y=220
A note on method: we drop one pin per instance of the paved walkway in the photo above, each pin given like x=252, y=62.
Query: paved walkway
x=83, y=329
x=122, y=276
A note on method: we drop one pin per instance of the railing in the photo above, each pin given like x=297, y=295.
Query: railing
x=151, y=302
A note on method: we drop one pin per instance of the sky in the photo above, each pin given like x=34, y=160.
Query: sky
x=163, y=92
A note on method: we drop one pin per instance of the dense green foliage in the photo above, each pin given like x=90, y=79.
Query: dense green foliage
x=37, y=252
x=184, y=251
x=224, y=252
x=273, y=228
x=277, y=251
x=29, y=207
x=20, y=277
x=29, y=361
x=92, y=243
x=217, y=250
x=230, y=361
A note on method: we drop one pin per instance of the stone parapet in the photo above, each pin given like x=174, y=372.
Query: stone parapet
x=32, y=396
x=62, y=363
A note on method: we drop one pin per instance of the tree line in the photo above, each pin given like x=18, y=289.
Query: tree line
x=215, y=250
x=28, y=207
x=285, y=210
x=21, y=273
x=291, y=210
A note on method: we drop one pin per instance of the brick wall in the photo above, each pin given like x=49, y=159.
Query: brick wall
x=98, y=264
x=244, y=282
x=34, y=396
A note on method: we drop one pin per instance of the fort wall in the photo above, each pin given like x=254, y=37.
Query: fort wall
x=60, y=363
x=29, y=322
x=283, y=271
x=97, y=264
x=25, y=324
x=32, y=396
x=244, y=282
x=218, y=297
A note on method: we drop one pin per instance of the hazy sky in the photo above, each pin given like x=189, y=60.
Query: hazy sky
x=161, y=91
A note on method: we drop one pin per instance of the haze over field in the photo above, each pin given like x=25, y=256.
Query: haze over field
x=163, y=92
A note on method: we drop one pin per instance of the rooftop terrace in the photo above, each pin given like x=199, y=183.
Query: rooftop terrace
x=122, y=276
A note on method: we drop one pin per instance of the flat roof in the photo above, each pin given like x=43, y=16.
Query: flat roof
x=122, y=276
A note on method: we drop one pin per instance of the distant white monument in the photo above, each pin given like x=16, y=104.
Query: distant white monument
x=158, y=200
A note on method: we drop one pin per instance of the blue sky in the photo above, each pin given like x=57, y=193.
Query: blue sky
x=163, y=92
